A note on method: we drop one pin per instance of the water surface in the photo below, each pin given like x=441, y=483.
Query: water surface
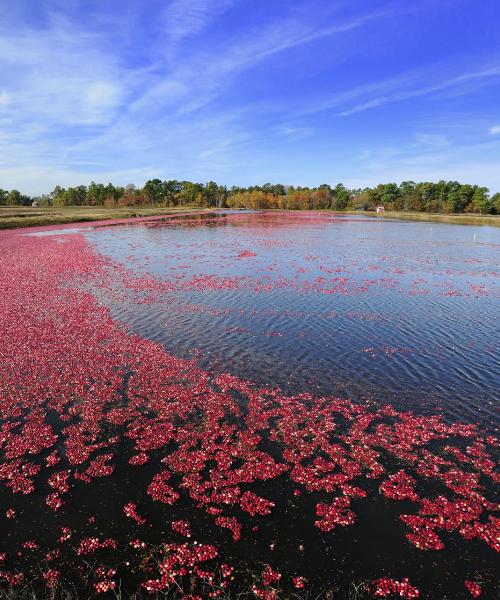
x=390, y=311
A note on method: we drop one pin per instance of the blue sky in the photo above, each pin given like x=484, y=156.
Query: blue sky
x=249, y=91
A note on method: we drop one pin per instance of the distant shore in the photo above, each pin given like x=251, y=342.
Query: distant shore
x=15, y=217
x=19, y=216
x=457, y=219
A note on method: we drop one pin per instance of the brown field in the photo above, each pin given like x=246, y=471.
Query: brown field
x=461, y=219
x=27, y=216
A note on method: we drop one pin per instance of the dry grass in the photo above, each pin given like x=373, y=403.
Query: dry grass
x=30, y=592
x=11, y=217
x=27, y=216
x=62, y=593
x=461, y=219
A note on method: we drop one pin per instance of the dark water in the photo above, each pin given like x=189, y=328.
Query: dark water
x=401, y=312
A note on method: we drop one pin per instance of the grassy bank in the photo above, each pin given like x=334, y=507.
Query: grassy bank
x=11, y=217
x=461, y=219
x=20, y=216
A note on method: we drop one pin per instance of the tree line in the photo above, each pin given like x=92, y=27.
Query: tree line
x=440, y=197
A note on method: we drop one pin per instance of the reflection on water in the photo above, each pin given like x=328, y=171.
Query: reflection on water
x=385, y=310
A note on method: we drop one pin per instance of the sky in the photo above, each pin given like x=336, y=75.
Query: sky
x=243, y=92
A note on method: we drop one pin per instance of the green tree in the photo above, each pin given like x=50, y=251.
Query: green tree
x=424, y=199
x=408, y=195
x=96, y=194
x=13, y=198
x=342, y=196
x=58, y=196
x=390, y=196
x=460, y=197
x=172, y=188
x=75, y=196
x=480, y=200
x=188, y=194
x=495, y=203
x=154, y=190
x=211, y=194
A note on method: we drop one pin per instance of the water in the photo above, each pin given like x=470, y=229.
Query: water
x=388, y=311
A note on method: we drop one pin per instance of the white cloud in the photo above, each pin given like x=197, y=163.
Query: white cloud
x=183, y=18
x=4, y=99
x=398, y=95
x=61, y=74
x=102, y=94
x=431, y=140
x=36, y=178
x=495, y=130
x=295, y=131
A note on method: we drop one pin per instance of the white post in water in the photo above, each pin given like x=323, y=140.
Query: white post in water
x=475, y=237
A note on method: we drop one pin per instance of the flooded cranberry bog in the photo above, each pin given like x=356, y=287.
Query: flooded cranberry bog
x=270, y=405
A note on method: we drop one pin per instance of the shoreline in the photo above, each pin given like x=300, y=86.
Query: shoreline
x=452, y=219
x=77, y=215
x=25, y=217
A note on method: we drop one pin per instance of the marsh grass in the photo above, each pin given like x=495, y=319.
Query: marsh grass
x=27, y=216
x=30, y=592
x=12, y=217
x=35, y=589
x=461, y=219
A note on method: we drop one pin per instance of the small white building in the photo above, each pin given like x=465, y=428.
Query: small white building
x=380, y=209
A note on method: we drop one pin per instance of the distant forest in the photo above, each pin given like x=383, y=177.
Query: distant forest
x=440, y=197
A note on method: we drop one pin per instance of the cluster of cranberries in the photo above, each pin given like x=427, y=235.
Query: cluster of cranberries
x=336, y=513
x=182, y=527
x=387, y=587
x=91, y=544
x=473, y=588
x=130, y=511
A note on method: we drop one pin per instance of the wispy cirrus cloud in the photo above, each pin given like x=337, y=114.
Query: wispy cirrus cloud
x=202, y=77
x=295, y=131
x=289, y=33
x=431, y=140
x=185, y=18
x=495, y=130
x=394, y=95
